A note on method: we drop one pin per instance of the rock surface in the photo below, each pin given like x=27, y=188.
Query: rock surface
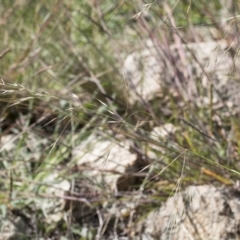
x=200, y=212
x=185, y=66
x=105, y=161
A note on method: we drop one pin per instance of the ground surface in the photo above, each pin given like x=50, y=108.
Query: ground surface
x=111, y=111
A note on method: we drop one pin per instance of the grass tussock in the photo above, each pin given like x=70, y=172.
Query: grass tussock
x=63, y=81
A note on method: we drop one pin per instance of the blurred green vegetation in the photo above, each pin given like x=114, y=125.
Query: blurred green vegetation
x=61, y=60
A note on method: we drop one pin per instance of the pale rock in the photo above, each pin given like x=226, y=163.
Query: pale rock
x=105, y=161
x=55, y=190
x=199, y=212
x=153, y=67
x=161, y=134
